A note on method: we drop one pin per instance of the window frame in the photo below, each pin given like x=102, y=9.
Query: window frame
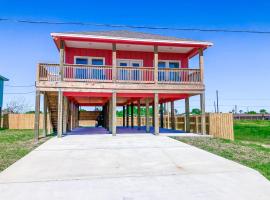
x=167, y=63
x=129, y=62
x=89, y=59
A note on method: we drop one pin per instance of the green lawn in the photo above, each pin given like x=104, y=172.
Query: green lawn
x=253, y=131
x=251, y=146
x=15, y=144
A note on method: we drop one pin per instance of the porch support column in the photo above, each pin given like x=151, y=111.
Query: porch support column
x=153, y=114
x=124, y=115
x=147, y=115
x=114, y=62
x=37, y=111
x=161, y=116
x=139, y=115
x=202, y=101
x=60, y=114
x=201, y=64
x=156, y=64
x=113, y=113
x=45, y=108
x=127, y=124
x=71, y=115
x=156, y=111
x=172, y=116
x=110, y=115
x=62, y=59
x=187, y=111
x=132, y=115
x=65, y=103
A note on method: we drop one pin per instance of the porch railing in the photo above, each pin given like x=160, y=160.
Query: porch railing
x=86, y=73
x=182, y=75
x=135, y=74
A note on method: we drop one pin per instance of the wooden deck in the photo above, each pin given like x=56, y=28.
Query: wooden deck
x=84, y=78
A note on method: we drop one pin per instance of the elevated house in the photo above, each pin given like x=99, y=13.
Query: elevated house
x=119, y=68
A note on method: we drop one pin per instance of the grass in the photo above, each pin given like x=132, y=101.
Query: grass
x=257, y=131
x=250, y=148
x=15, y=144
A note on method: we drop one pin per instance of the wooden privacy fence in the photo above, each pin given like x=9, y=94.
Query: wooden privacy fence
x=23, y=121
x=219, y=125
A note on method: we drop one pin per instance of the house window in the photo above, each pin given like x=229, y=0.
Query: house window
x=97, y=61
x=81, y=61
x=168, y=64
x=129, y=63
x=90, y=61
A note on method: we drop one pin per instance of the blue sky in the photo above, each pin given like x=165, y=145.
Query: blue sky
x=237, y=65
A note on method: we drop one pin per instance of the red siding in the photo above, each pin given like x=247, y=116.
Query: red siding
x=147, y=57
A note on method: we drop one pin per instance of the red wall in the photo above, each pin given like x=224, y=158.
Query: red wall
x=147, y=57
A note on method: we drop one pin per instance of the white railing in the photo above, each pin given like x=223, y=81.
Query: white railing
x=86, y=73
x=180, y=75
x=135, y=74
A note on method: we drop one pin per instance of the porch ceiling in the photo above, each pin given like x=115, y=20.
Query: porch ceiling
x=99, y=99
x=127, y=47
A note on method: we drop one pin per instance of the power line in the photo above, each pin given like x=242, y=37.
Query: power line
x=20, y=92
x=133, y=26
x=19, y=85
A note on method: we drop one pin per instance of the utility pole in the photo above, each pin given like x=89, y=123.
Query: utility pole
x=217, y=101
x=215, y=107
x=235, y=109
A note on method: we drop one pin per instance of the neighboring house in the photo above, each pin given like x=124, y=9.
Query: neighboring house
x=119, y=68
x=2, y=79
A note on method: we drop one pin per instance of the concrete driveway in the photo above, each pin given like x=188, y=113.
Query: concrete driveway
x=127, y=167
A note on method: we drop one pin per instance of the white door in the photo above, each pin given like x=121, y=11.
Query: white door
x=127, y=74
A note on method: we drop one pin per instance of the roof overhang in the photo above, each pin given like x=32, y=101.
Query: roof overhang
x=188, y=47
x=3, y=78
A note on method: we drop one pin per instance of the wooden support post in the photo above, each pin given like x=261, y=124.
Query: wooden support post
x=201, y=65
x=1, y=117
x=139, y=115
x=153, y=115
x=71, y=115
x=132, y=115
x=156, y=64
x=156, y=111
x=45, y=117
x=187, y=124
x=110, y=115
x=113, y=113
x=161, y=116
x=37, y=112
x=60, y=114
x=65, y=114
x=124, y=115
x=172, y=116
x=147, y=115
x=202, y=101
x=127, y=116
x=114, y=70
x=62, y=59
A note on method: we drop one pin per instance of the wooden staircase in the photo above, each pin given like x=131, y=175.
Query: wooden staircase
x=53, y=108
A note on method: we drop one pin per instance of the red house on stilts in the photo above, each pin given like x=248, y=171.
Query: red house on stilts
x=119, y=68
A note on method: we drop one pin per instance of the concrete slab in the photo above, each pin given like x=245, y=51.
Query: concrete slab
x=128, y=166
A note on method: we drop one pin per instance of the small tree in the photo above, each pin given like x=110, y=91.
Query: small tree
x=263, y=111
x=196, y=111
x=251, y=112
x=16, y=106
